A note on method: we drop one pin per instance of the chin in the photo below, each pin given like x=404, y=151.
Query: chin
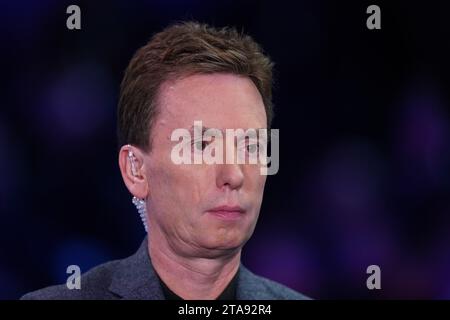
x=231, y=242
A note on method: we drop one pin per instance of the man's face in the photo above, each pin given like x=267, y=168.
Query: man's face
x=181, y=196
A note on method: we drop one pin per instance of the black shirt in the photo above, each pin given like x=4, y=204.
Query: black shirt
x=229, y=293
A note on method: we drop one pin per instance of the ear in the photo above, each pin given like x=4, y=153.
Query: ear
x=133, y=171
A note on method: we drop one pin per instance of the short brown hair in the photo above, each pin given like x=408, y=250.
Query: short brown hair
x=183, y=49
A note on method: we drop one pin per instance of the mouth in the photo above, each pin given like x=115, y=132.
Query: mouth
x=227, y=212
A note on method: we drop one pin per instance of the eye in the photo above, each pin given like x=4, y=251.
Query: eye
x=252, y=148
x=200, y=145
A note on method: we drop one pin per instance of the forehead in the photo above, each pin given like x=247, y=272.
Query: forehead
x=219, y=100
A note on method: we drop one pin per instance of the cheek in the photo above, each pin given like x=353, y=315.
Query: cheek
x=256, y=180
x=261, y=179
x=179, y=185
x=190, y=181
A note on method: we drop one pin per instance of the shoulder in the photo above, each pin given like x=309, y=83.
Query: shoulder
x=94, y=285
x=129, y=278
x=254, y=287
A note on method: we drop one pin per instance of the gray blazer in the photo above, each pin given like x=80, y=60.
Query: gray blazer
x=135, y=278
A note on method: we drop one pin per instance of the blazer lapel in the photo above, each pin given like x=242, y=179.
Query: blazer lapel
x=249, y=287
x=135, y=277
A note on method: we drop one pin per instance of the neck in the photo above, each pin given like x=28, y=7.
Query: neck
x=192, y=277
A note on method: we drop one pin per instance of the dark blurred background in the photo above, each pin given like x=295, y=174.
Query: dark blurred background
x=364, y=128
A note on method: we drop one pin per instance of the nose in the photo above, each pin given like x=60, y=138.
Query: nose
x=229, y=175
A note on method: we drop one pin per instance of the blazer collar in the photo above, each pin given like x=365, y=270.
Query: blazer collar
x=250, y=286
x=136, y=279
